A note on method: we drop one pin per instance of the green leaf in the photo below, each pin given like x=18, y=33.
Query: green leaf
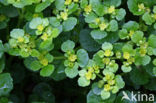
x=9, y=11
x=128, y=48
x=2, y=64
x=40, y=7
x=148, y=19
x=23, y=53
x=82, y=57
x=115, y=3
x=105, y=95
x=97, y=34
x=55, y=32
x=87, y=42
x=133, y=7
x=59, y=73
x=113, y=25
x=72, y=8
x=60, y=4
x=83, y=82
x=126, y=69
x=35, y=65
x=46, y=44
x=6, y=84
x=1, y=47
x=120, y=14
x=111, y=37
x=151, y=85
x=35, y=53
x=47, y=71
x=35, y=22
x=137, y=36
x=93, y=98
x=100, y=10
x=139, y=76
x=107, y=46
x=67, y=46
x=139, y=60
x=49, y=57
x=90, y=18
x=83, y=3
x=154, y=9
x=152, y=41
x=119, y=81
x=54, y=21
x=131, y=25
x=98, y=59
x=16, y=33
x=113, y=68
x=69, y=24
x=123, y=34
x=72, y=72
x=94, y=3
x=154, y=71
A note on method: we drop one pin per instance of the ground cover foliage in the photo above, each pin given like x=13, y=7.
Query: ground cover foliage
x=76, y=51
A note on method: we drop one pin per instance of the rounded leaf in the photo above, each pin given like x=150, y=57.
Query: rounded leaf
x=67, y=46
x=105, y=95
x=6, y=84
x=97, y=34
x=72, y=72
x=69, y=24
x=82, y=57
x=16, y=33
x=47, y=71
x=83, y=82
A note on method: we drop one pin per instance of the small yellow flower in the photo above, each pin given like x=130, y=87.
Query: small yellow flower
x=97, y=20
x=64, y=15
x=106, y=61
x=108, y=53
x=154, y=16
x=126, y=55
x=131, y=60
x=40, y=27
x=71, y=64
x=44, y=62
x=68, y=2
x=35, y=15
x=131, y=32
x=44, y=36
x=107, y=87
x=126, y=64
x=76, y=0
x=96, y=67
x=111, y=82
x=111, y=9
x=103, y=26
x=88, y=9
x=143, y=51
x=88, y=75
x=108, y=77
x=72, y=58
x=141, y=7
x=20, y=39
x=18, y=0
x=90, y=69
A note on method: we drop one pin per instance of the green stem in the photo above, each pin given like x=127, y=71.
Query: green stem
x=21, y=15
x=60, y=57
